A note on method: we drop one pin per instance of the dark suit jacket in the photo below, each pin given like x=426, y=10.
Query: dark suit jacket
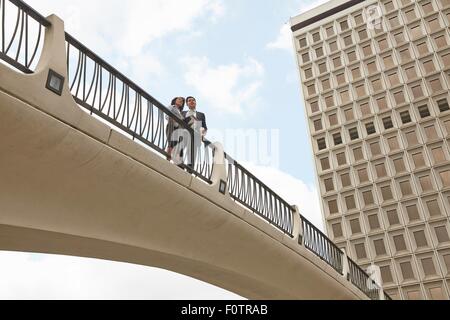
x=200, y=117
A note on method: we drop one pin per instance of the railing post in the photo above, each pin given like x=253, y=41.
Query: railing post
x=374, y=273
x=219, y=172
x=297, y=229
x=345, y=266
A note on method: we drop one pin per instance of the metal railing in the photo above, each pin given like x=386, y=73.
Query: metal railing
x=107, y=93
x=249, y=191
x=361, y=279
x=317, y=242
x=21, y=35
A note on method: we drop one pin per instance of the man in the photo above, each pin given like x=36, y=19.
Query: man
x=195, y=119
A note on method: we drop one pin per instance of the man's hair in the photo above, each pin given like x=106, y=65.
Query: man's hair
x=190, y=98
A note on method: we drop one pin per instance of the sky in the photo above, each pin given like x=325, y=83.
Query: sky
x=236, y=58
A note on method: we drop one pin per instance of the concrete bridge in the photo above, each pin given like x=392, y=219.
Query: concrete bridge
x=72, y=185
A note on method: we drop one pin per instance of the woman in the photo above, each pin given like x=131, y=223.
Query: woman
x=176, y=107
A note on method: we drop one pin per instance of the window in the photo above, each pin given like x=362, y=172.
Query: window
x=386, y=274
x=399, y=97
x=376, y=85
x=428, y=266
x=386, y=192
x=443, y=105
x=351, y=56
x=326, y=84
x=425, y=183
x=323, y=67
x=341, y=159
x=370, y=128
x=367, y=50
x=346, y=181
x=333, y=46
x=381, y=170
x=433, y=208
x=349, y=115
x=429, y=66
x=337, y=62
x=325, y=163
x=436, y=85
x=302, y=42
x=329, y=185
x=420, y=239
x=350, y=202
x=362, y=35
x=329, y=101
x=388, y=61
x=319, y=52
x=405, y=116
x=354, y=134
x=344, y=25
x=382, y=103
x=360, y=251
x=357, y=152
x=330, y=31
x=316, y=36
x=418, y=159
x=374, y=223
x=410, y=15
x=438, y=155
x=340, y=78
x=365, y=109
x=337, y=139
x=405, y=55
x=308, y=73
x=423, y=111
x=368, y=198
x=411, y=137
x=399, y=242
x=393, y=79
x=405, y=186
x=422, y=48
x=305, y=57
x=355, y=226
x=321, y=144
x=417, y=91
x=413, y=213
x=372, y=67
x=407, y=271
x=445, y=177
x=312, y=89
x=393, y=217
x=440, y=41
x=441, y=234
x=399, y=165
x=375, y=148
x=356, y=73
x=380, y=248
x=318, y=125
x=411, y=72
x=333, y=207
x=387, y=122
x=399, y=38
x=314, y=107
x=427, y=7
x=363, y=176
x=337, y=230
x=333, y=119
x=393, y=143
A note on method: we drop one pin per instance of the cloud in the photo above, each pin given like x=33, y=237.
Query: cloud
x=227, y=88
x=293, y=190
x=129, y=26
x=49, y=277
x=284, y=40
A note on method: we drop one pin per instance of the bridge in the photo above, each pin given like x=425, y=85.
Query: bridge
x=84, y=172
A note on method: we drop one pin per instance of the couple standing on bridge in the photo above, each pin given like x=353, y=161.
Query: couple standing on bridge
x=194, y=119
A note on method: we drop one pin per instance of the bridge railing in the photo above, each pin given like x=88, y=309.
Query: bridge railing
x=317, y=242
x=362, y=280
x=21, y=35
x=252, y=193
x=107, y=93
x=102, y=90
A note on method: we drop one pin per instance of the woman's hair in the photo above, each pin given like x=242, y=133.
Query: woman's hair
x=175, y=100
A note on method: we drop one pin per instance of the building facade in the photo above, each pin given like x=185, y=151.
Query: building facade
x=375, y=77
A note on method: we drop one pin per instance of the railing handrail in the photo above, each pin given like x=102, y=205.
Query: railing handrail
x=31, y=12
x=77, y=44
x=320, y=232
x=251, y=175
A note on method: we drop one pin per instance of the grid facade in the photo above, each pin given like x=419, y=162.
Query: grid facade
x=377, y=103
